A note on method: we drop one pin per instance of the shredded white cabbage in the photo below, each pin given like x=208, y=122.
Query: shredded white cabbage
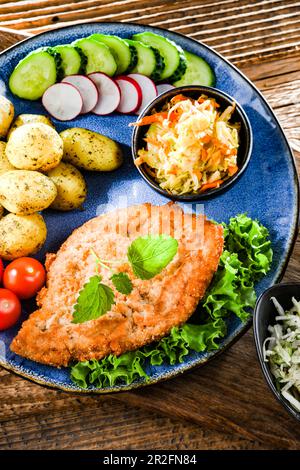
x=193, y=148
x=282, y=350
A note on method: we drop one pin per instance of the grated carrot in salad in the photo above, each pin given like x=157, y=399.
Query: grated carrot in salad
x=191, y=146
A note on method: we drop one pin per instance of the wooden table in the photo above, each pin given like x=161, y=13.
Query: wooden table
x=225, y=405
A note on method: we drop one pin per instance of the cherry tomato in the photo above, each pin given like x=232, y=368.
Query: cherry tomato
x=25, y=277
x=10, y=309
x=1, y=270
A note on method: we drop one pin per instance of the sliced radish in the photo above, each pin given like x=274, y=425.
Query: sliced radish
x=87, y=89
x=109, y=95
x=162, y=87
x=148, y=88
x=63, y=101
x=131, y=95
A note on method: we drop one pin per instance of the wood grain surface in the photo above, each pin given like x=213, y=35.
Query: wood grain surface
x=226, y=404
x=242, y=30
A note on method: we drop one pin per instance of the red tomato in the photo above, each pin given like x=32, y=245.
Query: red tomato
x=10, y=309
x=1, y=270
x=25, y=277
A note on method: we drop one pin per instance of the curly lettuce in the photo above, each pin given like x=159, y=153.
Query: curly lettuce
x=247, y=256
x=129, y=366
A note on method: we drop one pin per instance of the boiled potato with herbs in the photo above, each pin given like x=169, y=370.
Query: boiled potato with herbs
x=25, y=192
x=5, y=165
x=90, y=150
x=34, y=146
x=71, y=187
x=21, y=235
x=28, y=119
x=6, y=115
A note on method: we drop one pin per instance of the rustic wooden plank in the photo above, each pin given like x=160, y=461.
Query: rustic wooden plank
x=224, y=405
x=244, y=31
x=287, y=108
x=9, y=38
x=273, y=72
x=219, y=396
x=31, y=418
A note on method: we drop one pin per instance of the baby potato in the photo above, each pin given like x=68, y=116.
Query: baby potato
x=24, y=192
x=28, y=119
x=5, y=165
x=34, y=146
x=6, y=115
x=71, y=187
x=90, y=150
x=21, y=235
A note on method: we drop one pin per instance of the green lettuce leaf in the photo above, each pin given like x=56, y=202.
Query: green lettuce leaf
x=229, y=291
x=250, y=240
x=129, y=366
x=247, y=256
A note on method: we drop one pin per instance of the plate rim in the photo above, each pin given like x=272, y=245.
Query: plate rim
x=282, y=268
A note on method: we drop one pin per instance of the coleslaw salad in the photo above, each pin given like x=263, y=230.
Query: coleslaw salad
x=191, y=146
x=282, y=351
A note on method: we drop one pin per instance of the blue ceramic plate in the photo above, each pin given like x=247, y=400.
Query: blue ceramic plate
x=267, y=190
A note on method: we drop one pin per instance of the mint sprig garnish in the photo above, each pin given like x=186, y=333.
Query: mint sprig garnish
x=147, y=255
x=94, y=300
x=122, y=283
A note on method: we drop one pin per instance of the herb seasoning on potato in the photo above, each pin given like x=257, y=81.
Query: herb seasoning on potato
x=91, y=151
x=71, y=187
x=28, y=119
x=25, y=192
x=21, y=235
x=34, y=146
x=6, y=115
x=5, y=164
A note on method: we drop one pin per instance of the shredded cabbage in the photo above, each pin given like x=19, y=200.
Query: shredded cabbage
x=194, y=148
x=247, y=256
x=282, y=350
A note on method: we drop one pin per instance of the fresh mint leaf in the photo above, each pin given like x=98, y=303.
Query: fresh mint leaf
x=149, y=255
x=122, y=283
x=94, y=300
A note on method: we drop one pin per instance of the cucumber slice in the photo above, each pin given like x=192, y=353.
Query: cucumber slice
x=83, y=60
x=180, y=71
x=160, y=65
x=119, y=49
x=198, y=72
x=99, y=57
x=134, y=58
x=71, y=60
x=172, y=53
x=149, y=60
x=145, y=58
x=34, y=74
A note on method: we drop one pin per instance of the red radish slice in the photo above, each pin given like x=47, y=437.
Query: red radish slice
x=87, y=89
x=108, y=92
x=148, y=88
x=162, y=87
x=131, y=95
x=63, y=101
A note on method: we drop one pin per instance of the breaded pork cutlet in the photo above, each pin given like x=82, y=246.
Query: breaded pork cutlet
x=152, y=308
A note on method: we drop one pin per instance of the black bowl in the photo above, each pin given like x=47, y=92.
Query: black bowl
x=224, y=100
x=264, y=315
